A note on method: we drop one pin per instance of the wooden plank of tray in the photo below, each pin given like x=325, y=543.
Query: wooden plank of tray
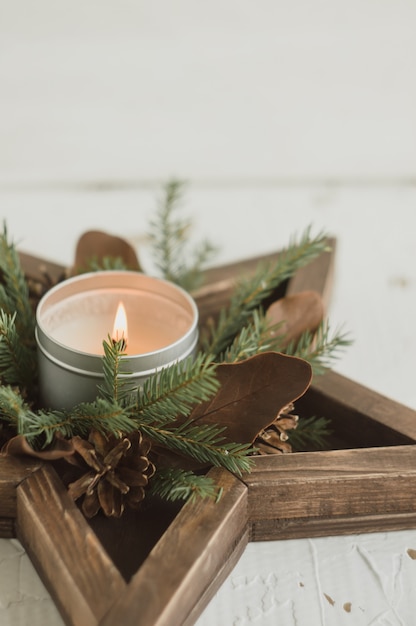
x=188, y=564
x=303, y=494
x=358, y=412
x=66, y=553
x=13, y=471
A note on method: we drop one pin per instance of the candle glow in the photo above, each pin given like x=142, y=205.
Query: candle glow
x=120, y=327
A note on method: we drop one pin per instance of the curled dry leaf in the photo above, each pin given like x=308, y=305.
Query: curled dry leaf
x=59, y=449
x=97, y=245
x=253, y=393
x=296, y=314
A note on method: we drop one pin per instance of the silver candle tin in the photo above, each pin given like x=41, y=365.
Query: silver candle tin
x=69, y=376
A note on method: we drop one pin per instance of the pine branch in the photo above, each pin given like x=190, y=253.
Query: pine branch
x=310, y=433
x=105, y=263
x=169, y=237
x=102, y=415
x=204, y=443
x=176, y=484
x=17, y=361
x=254, y=338
x=321, y=349
x=174, y=391
x=115, y=387
x=14, y=291
x=13, y=408
x=250, y=293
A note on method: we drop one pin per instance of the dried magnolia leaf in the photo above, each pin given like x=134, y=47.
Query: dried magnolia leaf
x=59, y=449
x=253, y=393
x=96, y=245
x=296, y=314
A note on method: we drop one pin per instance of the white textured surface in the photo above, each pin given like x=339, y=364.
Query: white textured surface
x=279, y=115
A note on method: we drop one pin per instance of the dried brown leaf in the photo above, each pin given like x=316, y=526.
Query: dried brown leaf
x=296, y=314
x=97, y=245
x=252, y=393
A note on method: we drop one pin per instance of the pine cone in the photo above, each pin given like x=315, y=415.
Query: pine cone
x=118, y=470
x=273, y=440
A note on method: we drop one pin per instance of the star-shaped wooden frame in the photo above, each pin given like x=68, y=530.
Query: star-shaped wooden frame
x=367, y=483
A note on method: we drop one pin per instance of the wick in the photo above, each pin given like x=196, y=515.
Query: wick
x=122, y=343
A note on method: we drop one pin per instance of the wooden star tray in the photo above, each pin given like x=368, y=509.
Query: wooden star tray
x=163, y=566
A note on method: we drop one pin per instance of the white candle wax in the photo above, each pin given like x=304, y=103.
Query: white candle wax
x=84, y=320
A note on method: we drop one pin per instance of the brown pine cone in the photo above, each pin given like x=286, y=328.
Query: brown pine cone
x=274, y=439
x=115, y=472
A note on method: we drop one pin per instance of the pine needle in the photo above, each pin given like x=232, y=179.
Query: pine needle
x=116, y=387
x=176, y=389
x=205, y=444
x=311, y=433
x=250, y=293
x=321, y=349
x=176, y=484
x=169, y=236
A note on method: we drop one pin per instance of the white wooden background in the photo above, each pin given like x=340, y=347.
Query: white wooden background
x=279, y=116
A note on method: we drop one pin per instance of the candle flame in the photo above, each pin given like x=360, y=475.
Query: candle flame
x=120, y=324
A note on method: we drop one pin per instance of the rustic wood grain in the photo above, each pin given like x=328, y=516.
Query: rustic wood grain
x=69, y=558
x=12, y=471
x=187, y=565
x=297, y=528
x=7, y=527
x=360, y=416
x=316, y=489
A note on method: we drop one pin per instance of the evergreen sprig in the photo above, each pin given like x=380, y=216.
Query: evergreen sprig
x=103, y=415
x=311, y=433
x=14, y=291
x=18, y=364
x=321, y=349
x=250, y=293
x=116, y=385
x=14, y=409
x=254, y=338
x=176, y=389
x=105, y=263
x=169, y=236
x=178, y=484
x=204, y=443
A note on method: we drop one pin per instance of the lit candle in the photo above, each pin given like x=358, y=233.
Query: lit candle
x=120, y=328
x=157, y=320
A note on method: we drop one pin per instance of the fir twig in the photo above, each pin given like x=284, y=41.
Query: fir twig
x=204, y=443
x=176, y=389
x=254, y=338
x=250, y=293
x=311, y=433
x=17, y=324
x=104, y=416
x=14, y=291
x=116, y=387
x=320, y=349
x=178, y=484
x=17, y=363
x=170, y=235
x=13, y=408
x=95, y=264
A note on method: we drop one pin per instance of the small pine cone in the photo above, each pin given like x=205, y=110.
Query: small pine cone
x=274, y=438
x=116, y=472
